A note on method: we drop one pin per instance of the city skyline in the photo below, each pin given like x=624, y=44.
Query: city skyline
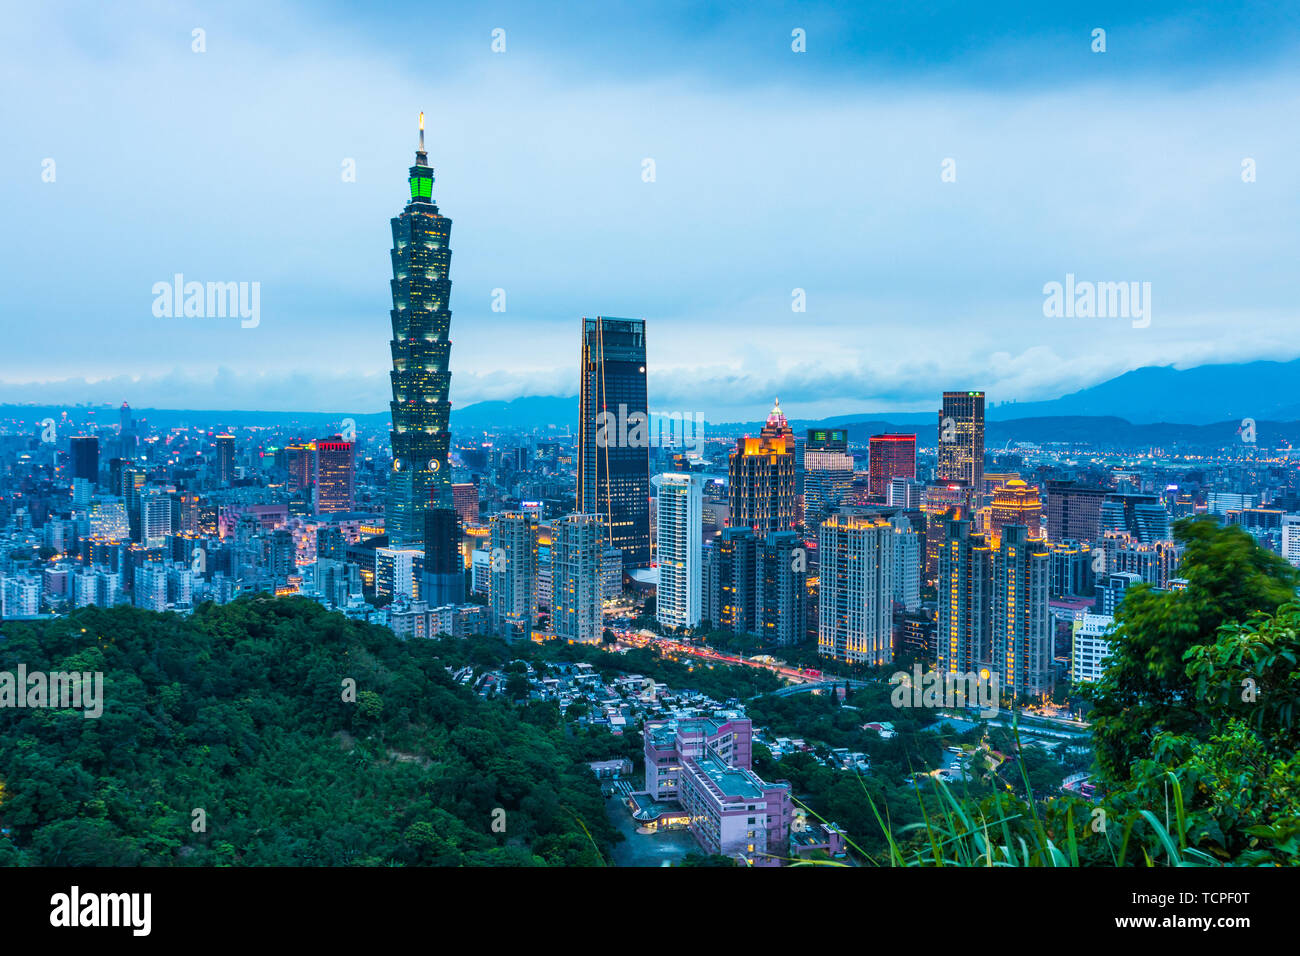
x=880, y=243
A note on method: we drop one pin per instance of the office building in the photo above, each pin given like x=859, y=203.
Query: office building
x=613, y=439
x=420, y=478
x=961, y=439
x=464, y=496
x=939, y=502
x=827, y=473
x=397, y=573
x=85, y=457
x=891, y=457
x=335, y=476
x=1074, y=511
x=444, y=567
x=225, y=460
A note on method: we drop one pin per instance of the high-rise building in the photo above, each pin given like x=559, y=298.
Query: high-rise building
x=781, y=589
x=577, y=589
x=761, y=479
x=85, y=457
x=904, y=493
x=964, y=599
x=856, y=589
x=512, y=574
x=1112, y=590
x=444, y=568
x=678, y=535
x=890, y=457
x=1091, y=647
x=961, y=439
x=908, y=548
x=421, y=346
x=736, y=556
x=300, y=467
x=613, y=453
x=1073, y=511
x=225, y=459
x=464, y=497
x=1291, y=539
x=827, y=473
x=1022, y=625
x=155, y=520
x=335, y=476
x=1142, y=516
x=396, y=574
x=937, y=501
x=1014, y=503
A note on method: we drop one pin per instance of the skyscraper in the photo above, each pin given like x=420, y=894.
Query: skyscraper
x=781, y=591
x=225, y=459
x=1073, y=511
x=761, y=478
x=512, y=574
x=961, y=439
x=577, y=589
x=444, y=568
x=334, y=476
x=85, y=457
x=1022, y=625
x=679, y=532
x=613, y=453
x=828, y=473
x=891, y=456
x=421, y=345
x=964, y=599
x=1016, y=502
x=856, y=589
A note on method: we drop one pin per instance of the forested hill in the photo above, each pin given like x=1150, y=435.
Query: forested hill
x=238, y=712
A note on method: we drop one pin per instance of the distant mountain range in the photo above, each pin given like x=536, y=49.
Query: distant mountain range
x=1147, y=406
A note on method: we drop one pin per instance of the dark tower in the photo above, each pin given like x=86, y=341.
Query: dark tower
x=421, y=347
x=613, y=460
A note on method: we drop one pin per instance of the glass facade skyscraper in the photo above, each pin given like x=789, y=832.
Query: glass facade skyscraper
x=614, y=460
x=421, y=346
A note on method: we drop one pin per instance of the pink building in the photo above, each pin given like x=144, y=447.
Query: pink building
x=704, y=765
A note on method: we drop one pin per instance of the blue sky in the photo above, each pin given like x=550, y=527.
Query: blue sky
x=775, y=171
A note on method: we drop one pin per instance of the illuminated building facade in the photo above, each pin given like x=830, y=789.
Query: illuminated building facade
x=961, y=439
x=420, y=346
x=577, y=586
x=891, y=456
x=937, y=500
x=828, y=473
x=963, y=617
x=335, y=476
x=856, y=589
x=761, y=479
x=678, y=531
x=1014, y=503
x=225, y=459
x=1022, y=624
x=613, y=463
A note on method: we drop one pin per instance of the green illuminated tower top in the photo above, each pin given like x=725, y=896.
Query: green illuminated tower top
x=421, y=347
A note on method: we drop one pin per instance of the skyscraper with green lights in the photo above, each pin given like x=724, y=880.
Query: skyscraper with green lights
x=421, y=347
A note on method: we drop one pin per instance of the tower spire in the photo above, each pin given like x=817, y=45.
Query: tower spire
x=422, y=131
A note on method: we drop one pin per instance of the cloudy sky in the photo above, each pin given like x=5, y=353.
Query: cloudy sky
x=774, y=170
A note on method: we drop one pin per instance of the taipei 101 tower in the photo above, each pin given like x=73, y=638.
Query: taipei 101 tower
x=420, y=479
